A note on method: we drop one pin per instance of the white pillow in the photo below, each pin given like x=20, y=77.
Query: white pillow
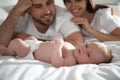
x=3, y=15
x=7, y=4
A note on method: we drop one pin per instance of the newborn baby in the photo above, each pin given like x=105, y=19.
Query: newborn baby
x=58, y=52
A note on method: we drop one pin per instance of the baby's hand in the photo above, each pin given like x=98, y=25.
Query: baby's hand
x=59, y=42
x=3, y=50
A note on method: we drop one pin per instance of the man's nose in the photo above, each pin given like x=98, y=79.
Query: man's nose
x=46, y=10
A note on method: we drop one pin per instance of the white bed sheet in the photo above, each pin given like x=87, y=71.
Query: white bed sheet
x=12, y=68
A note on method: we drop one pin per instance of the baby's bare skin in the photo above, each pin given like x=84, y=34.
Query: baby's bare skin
x=56, y=52
x=60, y=53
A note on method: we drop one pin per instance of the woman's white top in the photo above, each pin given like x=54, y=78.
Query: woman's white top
x=103, y=21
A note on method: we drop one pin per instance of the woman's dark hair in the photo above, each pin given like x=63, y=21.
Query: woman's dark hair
x=90, y=8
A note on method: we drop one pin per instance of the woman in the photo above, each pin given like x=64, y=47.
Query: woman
x=95, y=20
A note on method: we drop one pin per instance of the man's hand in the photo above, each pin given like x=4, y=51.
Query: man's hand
x=22, y=7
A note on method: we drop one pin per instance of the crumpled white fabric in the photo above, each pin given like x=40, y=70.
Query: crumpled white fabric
x=12, y=68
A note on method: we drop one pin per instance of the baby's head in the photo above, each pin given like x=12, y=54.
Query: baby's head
x=93, y=52
x=105, y=52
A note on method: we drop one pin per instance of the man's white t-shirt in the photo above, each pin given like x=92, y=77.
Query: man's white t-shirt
x=62, y=26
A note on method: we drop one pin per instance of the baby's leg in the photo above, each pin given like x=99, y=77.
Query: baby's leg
x=18, y=47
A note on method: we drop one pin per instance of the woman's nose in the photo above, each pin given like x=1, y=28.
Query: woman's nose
x=73, y=5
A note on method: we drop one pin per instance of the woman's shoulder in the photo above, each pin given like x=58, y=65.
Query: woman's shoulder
x=104, y=10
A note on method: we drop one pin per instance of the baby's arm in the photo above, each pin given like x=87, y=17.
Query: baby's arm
x=69, y=61
x=57, y=59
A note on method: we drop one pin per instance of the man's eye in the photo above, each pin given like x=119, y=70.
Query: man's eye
x=86, y=45
x=50, y=2
x=89, y=55
x=78, y=0
x=67, y=1
x=37, y=5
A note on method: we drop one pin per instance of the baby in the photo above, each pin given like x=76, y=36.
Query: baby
x=58, y=52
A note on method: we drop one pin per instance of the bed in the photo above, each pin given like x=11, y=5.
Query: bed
x=12, y=68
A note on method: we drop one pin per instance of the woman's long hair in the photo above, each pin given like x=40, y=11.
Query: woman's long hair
x=91, y=7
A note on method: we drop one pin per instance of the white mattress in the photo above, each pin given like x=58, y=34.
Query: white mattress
x=12, y=68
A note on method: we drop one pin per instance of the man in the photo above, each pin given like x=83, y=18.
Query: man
x=42, y=19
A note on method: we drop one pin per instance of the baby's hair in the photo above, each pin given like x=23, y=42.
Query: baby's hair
x=109, y=55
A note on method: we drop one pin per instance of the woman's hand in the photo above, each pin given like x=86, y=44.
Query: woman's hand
x=83, y=22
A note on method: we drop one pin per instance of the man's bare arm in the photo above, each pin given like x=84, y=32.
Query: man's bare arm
x=8, y=26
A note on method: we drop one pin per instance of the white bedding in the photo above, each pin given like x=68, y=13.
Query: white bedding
x=12, y=68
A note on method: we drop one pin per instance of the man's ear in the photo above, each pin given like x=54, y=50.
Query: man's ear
x=28, y=11
x=92, y=3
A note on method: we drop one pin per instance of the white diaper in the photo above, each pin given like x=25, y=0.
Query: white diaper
x=33, y=45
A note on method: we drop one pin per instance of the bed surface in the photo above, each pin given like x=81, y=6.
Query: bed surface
x=12, y=68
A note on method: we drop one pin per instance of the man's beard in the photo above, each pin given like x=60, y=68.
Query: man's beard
x=48, y=23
